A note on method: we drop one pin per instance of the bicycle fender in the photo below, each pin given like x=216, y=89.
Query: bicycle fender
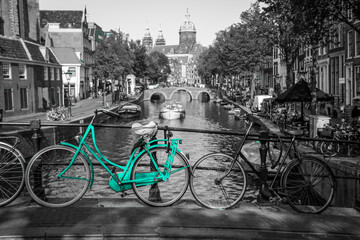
x=87, y=158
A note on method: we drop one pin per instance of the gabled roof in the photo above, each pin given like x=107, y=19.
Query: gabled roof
x=66, y=55
x=52, y=57
x=67, y=19
x=12, y=48
x=165, y=49
x=35, y=52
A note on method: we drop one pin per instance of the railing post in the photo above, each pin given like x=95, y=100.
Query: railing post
x=264, y=135
x=35, y=126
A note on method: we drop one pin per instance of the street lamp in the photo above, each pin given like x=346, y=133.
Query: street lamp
x=68, y=77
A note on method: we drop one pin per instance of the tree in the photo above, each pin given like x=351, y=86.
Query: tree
x=242, y=47
x=301, y=22
x=159, y=67
x=141, y=61
x=113, y=59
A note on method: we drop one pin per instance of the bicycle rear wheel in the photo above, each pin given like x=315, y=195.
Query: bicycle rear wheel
x=309, y=185
x=329, y=149
x=12, y=174
x=214, y=184
x=161, y=193
x=42, y=176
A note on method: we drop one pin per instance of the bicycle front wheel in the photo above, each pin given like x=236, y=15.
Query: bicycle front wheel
x=12, y=174
x=309, y=185
x=215, y=184
x=42, y=176
x=159, y=193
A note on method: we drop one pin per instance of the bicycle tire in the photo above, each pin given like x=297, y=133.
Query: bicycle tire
x=161, y=193
x=329, y=149
x=42, y=179
x=12, y=173
x=206, y=187
x=309, y=185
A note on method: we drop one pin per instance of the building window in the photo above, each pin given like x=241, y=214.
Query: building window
x=276, y=53
x=357, y=44
x=22, y=71
x=1, y=25
x=52, y=74
x=350, y=44
x=58, y=74
x=73, y=71
x=357, y=80
x=8, y=95
x=24, y=98
x=46, y=74
x=6, y=69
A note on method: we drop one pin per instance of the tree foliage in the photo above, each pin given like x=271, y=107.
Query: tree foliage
x=242, y=47
x=117, y=56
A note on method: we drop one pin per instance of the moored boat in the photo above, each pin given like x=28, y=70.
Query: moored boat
x=129, y=110
x=172, y=111
x=217, y=100
x=237, y=114
x=228, y=106
x=232, y=111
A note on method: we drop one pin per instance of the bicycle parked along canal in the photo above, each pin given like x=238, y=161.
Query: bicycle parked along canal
x=307, y=184
x=157, y=171
x=12, y=170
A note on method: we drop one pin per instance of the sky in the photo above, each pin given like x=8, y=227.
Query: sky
x=133, y=17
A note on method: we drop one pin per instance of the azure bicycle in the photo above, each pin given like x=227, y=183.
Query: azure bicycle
x=307, y=184
x=157, y=171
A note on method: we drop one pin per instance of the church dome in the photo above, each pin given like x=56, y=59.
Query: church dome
x=187, y=26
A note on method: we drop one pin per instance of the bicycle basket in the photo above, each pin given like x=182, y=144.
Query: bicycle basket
x=327, y=132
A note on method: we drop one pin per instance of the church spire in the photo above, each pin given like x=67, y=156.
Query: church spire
x=147, y=39
x=160, y=40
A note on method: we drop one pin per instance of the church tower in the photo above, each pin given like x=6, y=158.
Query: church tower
x=187, y=35
x=160, y=40
x=147, y=40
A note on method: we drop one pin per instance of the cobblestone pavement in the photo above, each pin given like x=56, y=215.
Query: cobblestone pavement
x=127, y=218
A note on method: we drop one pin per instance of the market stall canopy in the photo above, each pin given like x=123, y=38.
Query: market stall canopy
x=300, y=92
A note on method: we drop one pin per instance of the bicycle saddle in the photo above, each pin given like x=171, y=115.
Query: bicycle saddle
x=294, y=132
x=146, y=131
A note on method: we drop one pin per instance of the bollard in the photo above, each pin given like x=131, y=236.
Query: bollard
x=263, y=151
x=35, y=126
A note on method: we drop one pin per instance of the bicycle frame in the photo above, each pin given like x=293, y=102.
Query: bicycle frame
x=259, y=174
x=124, y=176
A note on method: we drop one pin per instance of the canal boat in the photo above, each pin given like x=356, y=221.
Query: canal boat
x=228, y=106
x=129, y=110
x=172, y=111
x=217, y=100
x=237, y=114
x=232, y=111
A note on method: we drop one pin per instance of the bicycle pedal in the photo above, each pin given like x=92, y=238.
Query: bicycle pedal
x=123, y=194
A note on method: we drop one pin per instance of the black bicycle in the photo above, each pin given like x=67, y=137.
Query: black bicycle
x=307, y=184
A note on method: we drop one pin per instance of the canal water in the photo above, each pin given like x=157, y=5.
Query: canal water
x=116, y=144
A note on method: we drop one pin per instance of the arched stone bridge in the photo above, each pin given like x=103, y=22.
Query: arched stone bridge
x=169, y=92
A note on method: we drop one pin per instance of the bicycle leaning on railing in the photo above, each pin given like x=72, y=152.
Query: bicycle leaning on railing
x=12, y=170
x=157, y=171
x=307, y=184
